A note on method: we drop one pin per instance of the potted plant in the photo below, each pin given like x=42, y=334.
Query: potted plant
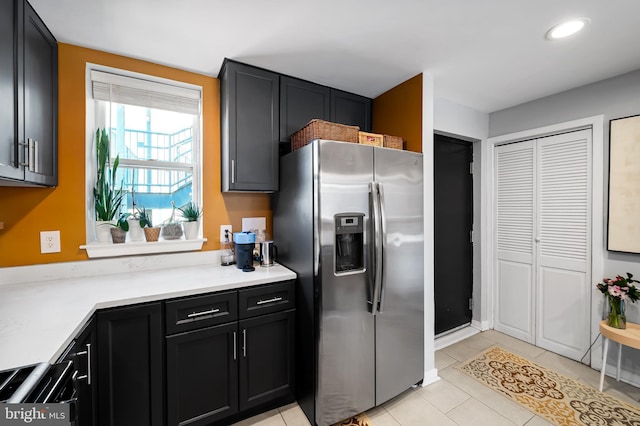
x=107, y=198
x=191, y=213
x=616, y=293
x=135, y=228
x=172, y=229
x=151, y=233
x=120, y=228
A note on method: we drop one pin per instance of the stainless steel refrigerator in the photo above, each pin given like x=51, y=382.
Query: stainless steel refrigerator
x=348, y=219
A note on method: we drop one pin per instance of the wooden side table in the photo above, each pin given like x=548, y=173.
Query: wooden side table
x=630, y=336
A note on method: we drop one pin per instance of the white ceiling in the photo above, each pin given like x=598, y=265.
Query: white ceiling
x=487, y=55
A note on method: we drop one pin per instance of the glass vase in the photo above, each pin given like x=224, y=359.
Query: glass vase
x=616, y=317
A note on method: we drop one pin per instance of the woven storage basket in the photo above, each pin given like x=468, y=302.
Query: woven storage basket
x=374, y=139
x=392, y=142
x=320, y=129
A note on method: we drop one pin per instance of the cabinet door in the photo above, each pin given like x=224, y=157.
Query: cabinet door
x=354, y=110
x=8, y=91
x=300, y=102
x=202, y=375
x=40, y=100
x=83, y=356
x=130, y=372
x=250, y=101
x=266, y=358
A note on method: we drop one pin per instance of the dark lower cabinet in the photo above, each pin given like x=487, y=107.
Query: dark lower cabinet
x=267, y=361
x=221, y=373
x=84, y=360
x=130, y=359
x=202, y=375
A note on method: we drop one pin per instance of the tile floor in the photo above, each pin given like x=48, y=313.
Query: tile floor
x=457, y=399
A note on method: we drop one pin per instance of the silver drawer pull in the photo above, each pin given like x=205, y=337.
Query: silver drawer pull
x=199, y=314
x=275, y=299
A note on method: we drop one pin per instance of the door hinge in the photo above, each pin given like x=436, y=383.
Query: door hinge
x=471, y=303
x=471, y=168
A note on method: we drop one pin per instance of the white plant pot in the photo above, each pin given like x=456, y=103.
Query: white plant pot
x=191, y=229
x=103, y=230
x=135, y=231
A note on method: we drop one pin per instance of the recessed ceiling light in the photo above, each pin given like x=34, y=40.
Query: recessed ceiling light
x=567, y=28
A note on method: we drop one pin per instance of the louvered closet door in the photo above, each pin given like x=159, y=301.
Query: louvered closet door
x=515, y=195
x=563, y=243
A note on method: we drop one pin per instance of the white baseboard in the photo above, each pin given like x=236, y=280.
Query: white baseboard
x=455, y=337
x=481, y=325
x=430, y=376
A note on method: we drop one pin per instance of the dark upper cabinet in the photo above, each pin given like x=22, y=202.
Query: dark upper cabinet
x=300, y=102
x=354, y=110
x=130, y=366
x=9, y=91
x=28, y=97
x=250, y=128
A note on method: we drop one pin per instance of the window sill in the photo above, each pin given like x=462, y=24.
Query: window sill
x=97, y=250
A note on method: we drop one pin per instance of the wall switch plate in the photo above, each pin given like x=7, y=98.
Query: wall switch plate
x=49, y=241
x=224, y=228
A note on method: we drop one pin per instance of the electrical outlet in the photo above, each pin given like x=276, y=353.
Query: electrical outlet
x=224, y=228
x=49, y=241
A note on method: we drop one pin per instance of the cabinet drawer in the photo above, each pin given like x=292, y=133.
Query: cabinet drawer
x=266, y=299
x=201, y=311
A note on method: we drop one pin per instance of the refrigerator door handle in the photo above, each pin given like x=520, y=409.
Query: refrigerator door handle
x=383, y=245
x=377, y=247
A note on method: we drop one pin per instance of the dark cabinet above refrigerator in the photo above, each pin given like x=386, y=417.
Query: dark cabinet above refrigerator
x=261, y=109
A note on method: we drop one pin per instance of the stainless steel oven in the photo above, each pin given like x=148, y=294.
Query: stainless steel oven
x=42, y=383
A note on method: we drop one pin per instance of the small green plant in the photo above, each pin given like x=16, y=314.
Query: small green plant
x=144, y=218
x=190, y=212
x=122, y=222
x=107, y=198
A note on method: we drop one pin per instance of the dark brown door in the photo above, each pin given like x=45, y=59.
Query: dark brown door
x=266, y=358
x=202, y=375
x=453, y=200
x=130, y=373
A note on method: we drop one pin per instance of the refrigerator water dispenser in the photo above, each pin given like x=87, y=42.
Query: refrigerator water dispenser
x=349, y=249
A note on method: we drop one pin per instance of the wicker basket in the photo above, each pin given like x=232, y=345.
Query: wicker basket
x=374, y=139
x=320, y=129
x=394, y=142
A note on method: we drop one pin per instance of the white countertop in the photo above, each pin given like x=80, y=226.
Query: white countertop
x=39, y=319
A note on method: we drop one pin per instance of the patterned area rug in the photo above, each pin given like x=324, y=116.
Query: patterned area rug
x=359, y=420
x=558, y=399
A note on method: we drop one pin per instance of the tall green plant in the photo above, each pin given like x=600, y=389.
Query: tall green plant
x=107, y=198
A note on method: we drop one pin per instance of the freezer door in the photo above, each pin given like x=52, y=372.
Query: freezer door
x=346, y=364
x=400, y=320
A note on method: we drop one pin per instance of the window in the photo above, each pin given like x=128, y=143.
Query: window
x=154, y=128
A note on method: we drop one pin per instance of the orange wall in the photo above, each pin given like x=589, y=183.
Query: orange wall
x=398, y=112
x=27, y=211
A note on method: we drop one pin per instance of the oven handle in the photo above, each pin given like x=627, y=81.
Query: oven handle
x=29, y=383
x=60, y=382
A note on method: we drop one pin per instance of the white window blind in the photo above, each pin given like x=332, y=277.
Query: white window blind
x=135, y=91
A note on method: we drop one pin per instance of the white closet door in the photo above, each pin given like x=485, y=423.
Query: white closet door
x=515, y=195
x=563, y=243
